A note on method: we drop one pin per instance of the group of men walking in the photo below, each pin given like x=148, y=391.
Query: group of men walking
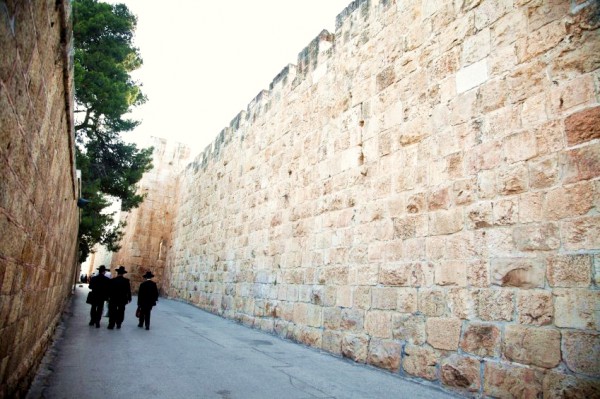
x=117, y=291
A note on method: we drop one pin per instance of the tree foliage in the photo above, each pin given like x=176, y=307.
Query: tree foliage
x=104, y=94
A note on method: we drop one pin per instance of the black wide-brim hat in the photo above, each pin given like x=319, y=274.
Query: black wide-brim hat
x=148, y=275
x=121, y=270
x=102, y=268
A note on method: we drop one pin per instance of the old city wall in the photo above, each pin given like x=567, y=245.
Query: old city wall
x=147, y=234
x=419, y=193
x=38, y=184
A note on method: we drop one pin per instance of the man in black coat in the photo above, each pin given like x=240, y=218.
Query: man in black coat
x=119, y=295
x=147, y=298
x=99, y=286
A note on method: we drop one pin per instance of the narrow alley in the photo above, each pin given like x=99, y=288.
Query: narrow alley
x=189, y=353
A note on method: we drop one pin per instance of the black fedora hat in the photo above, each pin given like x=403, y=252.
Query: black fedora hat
x=148, y=274
x=121, y=270
x=102, y=268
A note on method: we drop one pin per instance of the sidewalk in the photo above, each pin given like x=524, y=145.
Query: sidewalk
x=189, y=353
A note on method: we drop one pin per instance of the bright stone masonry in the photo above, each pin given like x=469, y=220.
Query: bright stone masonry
x=419, y=192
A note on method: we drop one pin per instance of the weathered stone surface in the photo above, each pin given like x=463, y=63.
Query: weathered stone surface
x=443, y=332
x=432, y=302
x=420, y=362
x=581, y=352
x=559, y=386
x=494, y=304
x=583, y=126
x=535, y=307
x=409, y=328
x=507, y=381
x=378, y=323
x=355, y=347
x=530, y=345
x=481, y=340
x=519, y=272
x=385, y=354
x=569, y=270
x=576, y=308
x=580, y=163
x=461, y=372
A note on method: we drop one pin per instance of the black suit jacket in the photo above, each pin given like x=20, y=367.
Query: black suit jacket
x=99, y=284
x=148, y=294
x=120, y=290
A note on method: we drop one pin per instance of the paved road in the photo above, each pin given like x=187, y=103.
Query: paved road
x=189, y=353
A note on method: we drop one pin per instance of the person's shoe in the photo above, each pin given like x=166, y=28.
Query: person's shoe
x=139, y=325
x=147, y=328
x=97, y=325
x=118, y=326
x=110, y=327
x=91, y=323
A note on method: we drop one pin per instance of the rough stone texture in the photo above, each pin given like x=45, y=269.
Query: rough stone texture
x=461, y=372
x=384, y=354
x=581, y=352
x=38, y=184
x=530, y=345
x=559, y=386
x=428, y=161
x=148, y=233
x=481, y=340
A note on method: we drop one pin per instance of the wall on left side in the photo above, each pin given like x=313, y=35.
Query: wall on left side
x=38, y=184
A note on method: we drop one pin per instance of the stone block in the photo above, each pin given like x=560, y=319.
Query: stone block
x=332, y=318
x=581, y=233
x=461, y=304
x=361, y=297
x=481, y=339
x=355, y=347
x=378, y=323
x=420, y=361
x=409, y=328
x=568, y=202
x=471, y=76
x=518, y=272
x=569, y=271
x=395, y=274
x=407, y=300
x=576, y=308
x=531, y=345
x=559, y=386
x=535, y=307
x=461, y=372
x=503, y=380
x=480, y=215
x=583, y=126
x=512, y=179
x=581, y=352
x=542, y=237
x=432, y=302
x=384, y=298
x=580, y=163
x=332, y=342
x=443, y=332
x=492, y=304
x=543, y=173
x=384, y=354
x=451, y=273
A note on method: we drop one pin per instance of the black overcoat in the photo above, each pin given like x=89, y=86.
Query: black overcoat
x=120, y=290
x=148, y=294
x=99, y=284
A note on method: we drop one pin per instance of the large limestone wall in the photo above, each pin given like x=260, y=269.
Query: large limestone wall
x=38, y=185
x=419, y=193
x=147, y=235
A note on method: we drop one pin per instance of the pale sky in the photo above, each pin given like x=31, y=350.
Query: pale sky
x=204, y=61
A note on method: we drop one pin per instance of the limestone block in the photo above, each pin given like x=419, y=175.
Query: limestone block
x=576, y=308
x=512, y=179
x=531, y=345
x=559, y=386
x=420, y=361
x=395, y=274
x=581, y=352
x=352, y=319
x=494, y=304
x=567, y=202
x=461, y=303
x=378, y=323
x=535, y=307
x=446, y=222
x=572, y=94
x=481, y=339
x=332, y=342
x=384, y=298
x=308, y=336
x=451, y=273
x=409, y=328
x=332, y=318
x=583, y=126
x=581, y=233
x=471, y=76
x=407, y=300
x=461, y=372
x=384, y=354
x=542, y=237
x=509, y=381
x=443, y=332
x=361, y=297
x=542, y=173
x=518, y=272
x=432, y=302
x=355, y=347
x=569, y=271
x=580, y=163
x=479, y=215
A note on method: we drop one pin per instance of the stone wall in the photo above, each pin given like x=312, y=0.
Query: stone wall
x=38, y=185
x=419, y=193
x=147, y=235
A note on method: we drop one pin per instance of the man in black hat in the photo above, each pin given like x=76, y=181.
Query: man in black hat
x=119, y=295
x=99, y=286
x=147, y=298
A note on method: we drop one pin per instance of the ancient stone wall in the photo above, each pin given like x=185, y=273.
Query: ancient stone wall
x=38, y=184
x=147, y=235
x=419, y=193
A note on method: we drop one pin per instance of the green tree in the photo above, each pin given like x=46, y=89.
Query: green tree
x=104, y=94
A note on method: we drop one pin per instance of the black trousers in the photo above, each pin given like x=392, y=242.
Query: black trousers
x=116, y=313
x=145, y=315
x=96, y=312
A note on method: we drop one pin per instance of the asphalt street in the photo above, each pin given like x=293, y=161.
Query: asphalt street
x=189, y=353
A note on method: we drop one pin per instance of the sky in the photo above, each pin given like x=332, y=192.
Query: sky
x=204, y=61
